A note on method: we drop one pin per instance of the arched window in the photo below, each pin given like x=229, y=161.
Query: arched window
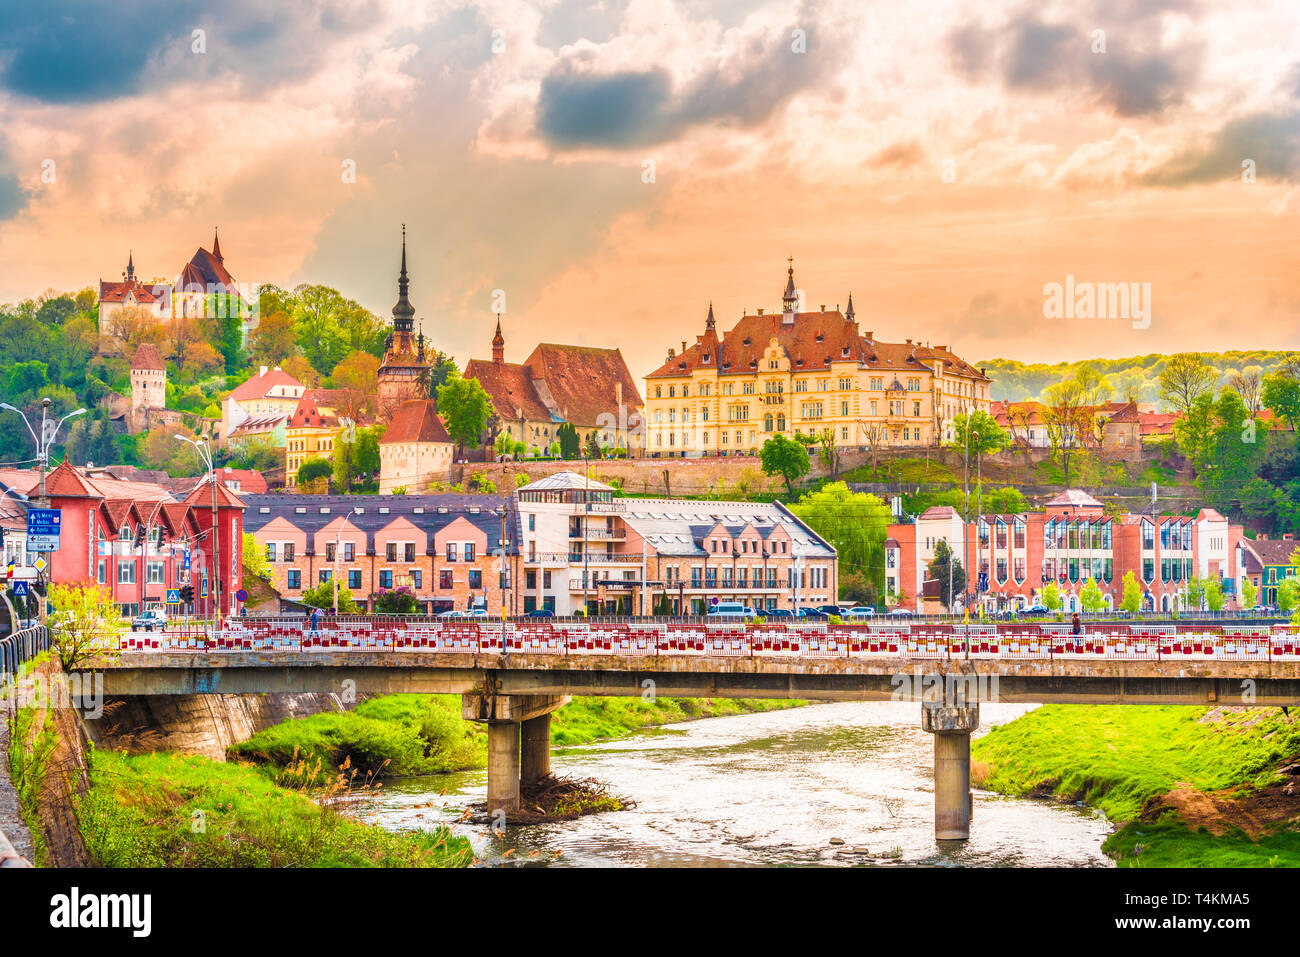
x=767, y=422
x=780, y=422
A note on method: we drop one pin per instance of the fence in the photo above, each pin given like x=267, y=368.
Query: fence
x=702, y=638
x=20, y=647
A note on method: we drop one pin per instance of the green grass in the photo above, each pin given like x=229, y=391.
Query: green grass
x=1116, y=757
x=1170, y=843
x=909, y=471
x=168, y=810
x=425, y=734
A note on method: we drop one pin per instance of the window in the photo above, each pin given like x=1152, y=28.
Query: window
x=288, y=551
x=451, y=551
x=747, y=388
x=294, y=579
x=469, y=552
x=326, y=575
x=417, y=578
x=126, y=573
x=475, y=578
x=354, y=578
x=532, y=522
x=270, y=551
x=154, y=573
x=349, y=551
x=101, y=572
x=330, y=551
x=390, y=552
x=445, y=579
x=386, y=578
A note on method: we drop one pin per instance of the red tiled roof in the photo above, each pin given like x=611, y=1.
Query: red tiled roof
x=1126, y=413
x=1272, y=551
x=148, y=357
x=510, y=387
x=416, y=421
x=117, y=291
x=260, y=385
x=308, y=414
x=225, y=497
x=1157, y=423
x=582, y=381
x=249, y=480
x=205, y=268
x=65, y=481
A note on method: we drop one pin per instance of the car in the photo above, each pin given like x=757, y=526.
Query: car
x=830, y=609
x=899, y=613
x=1034, y=611
x=149, y=619
x=861, y=611
x=464, y=613
x=778, y=613
x=812, y=614
x=539, y=613
x=731, y=609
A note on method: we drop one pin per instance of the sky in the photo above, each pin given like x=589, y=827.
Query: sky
x=606, y=170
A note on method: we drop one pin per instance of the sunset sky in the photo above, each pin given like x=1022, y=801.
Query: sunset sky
x=523, y=167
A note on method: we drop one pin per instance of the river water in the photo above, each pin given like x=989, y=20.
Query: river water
x=762, y=789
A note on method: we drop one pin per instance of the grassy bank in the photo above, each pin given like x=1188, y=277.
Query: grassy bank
x=425, y=734
x=1189, y=786
x=168, y=810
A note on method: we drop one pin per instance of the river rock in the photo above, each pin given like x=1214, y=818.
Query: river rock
x=837, y=840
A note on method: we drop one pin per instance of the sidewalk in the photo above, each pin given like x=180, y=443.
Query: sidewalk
x=11, y=822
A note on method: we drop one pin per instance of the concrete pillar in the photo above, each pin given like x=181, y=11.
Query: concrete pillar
x=503, y=766
x=951, y=726
x=536, y=759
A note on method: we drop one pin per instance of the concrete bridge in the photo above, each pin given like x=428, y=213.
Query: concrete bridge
x=513, y=676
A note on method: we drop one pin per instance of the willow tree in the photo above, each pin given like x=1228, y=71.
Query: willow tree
x=855, y=523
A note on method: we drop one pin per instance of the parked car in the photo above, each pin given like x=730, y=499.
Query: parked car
x=149, y=619
x=861, y=611
x=830, y=610
x=539, y=613
x=812, y=614
x=731, y=609
x=1035, y=611
x=778, y=613
x=464, y=613
x=900, y=613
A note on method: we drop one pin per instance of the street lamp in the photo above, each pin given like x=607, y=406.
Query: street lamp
x=45, y=440
x=205, y=455
x=356, y=510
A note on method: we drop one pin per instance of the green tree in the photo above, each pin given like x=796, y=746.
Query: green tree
x=322, y=596
x=1194, y=592
x=1249, y=594
x=1090, y=598
x=399, y=601
x=1281, y=394
x=1052, y=597
x=441, y=371
x=1131, y=601
x=786, y=458
x=313, y=469
x=254, y=559
x=1185, y=378
x=1214, y=599
x=855, y=523
x=943, y=567
x=981, y=431
x=1288, y=595
x=567, y=438
x=465, y=408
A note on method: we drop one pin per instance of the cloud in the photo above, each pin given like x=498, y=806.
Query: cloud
x=1271, y=140
x=620, y=109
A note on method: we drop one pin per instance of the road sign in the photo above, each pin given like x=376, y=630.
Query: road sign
x=40, y=564
x=20, y=589
x=173, y=596
x=43, y=526
x=203, y=587
x=241, y=594
x=187, y=561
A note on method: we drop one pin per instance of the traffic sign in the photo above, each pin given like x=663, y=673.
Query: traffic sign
x=40, y=563
x=241, y=594
x=20, y=589
x=173, y=596
x=187, y=561
x=43, y=526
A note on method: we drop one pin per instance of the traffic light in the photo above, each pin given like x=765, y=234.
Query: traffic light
x=187, y=593
x=139, y=536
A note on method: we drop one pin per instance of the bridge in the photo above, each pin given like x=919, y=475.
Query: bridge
x=513, y=675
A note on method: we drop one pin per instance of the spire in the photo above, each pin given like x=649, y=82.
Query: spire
x=498, y=344
x=849, y=314
x=216, y=247
x=790, y=300
x=130, y=266
x=403, y=312
x=709, y=323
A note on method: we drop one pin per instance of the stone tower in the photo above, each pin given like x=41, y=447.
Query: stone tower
x=404, y=370
x=148, y=386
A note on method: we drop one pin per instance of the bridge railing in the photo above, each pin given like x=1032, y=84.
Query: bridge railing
x=725, y=639
x=20, y=647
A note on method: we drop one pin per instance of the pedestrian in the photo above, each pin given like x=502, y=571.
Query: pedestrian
x=1076, y=626
x=315, y=621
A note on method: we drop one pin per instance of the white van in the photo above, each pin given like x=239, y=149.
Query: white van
x=731, y=609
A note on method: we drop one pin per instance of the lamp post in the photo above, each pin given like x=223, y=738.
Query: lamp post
x=356, y=510
x=205, y=454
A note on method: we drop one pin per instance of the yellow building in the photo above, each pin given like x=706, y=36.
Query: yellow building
x=808, y=372
x=311, y=433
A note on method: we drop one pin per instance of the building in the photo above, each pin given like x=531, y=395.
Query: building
x=204, y=287
x=1071, y=541
x=582, y=547
x=153, y=299
x=1266, y=563
x=586, y=386
x=415, y=451
x=806, y=372
x=133, y=537
x=148, y=387
x=404, y=371
x=265, y=401
x=452, y=551
x=311, y=432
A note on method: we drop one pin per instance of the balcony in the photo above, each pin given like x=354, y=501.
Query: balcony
x=599, y=534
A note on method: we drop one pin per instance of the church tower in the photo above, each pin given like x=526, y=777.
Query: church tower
x=403, y=373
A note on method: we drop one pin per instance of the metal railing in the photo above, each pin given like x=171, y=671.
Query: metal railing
x=20, y=647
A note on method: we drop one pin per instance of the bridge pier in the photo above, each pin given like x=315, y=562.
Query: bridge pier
x=951, y=723
x=519, y=741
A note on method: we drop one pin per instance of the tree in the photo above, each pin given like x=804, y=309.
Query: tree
x=786, y=458
x=855, y=523
x=1249, y=594
x=1052, y=597
x=943, y=567
x=1185, y=377
x=322, y=596
x=464, y=407
x=132, y=326
x=1090, y=597
x=358, y=371
x=399, y=601
x=1195, y=592
x=1247, y=383
x=301, y=369
x=86, y=623
x=1194, y=430
x=566, y=436
x=1068, y=417
x=254, y=560
x=1288, y=595
x=441, y=371
x=1214, y=598
x=856, y=587
x=313, y=469
x=274, y=340
x=1131, y=601
x=1281, y=394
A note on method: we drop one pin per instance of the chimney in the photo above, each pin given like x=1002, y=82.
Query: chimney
x=760, y=310
x=683, y=346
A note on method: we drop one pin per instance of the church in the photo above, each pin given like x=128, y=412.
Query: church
x=404, y=373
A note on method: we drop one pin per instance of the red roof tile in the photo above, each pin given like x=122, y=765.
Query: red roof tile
x=148, y=357
x=583, y=381
x=262, y=384
x=416, y=421
x=510, y=387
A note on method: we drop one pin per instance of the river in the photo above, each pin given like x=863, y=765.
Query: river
x=763, y=789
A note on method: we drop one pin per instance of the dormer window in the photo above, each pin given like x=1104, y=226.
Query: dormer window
x=819, y=337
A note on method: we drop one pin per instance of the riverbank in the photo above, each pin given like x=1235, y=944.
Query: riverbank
x=409, y=734
x=1187, y=787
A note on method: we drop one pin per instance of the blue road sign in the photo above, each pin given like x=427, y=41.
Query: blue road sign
x=20, y=589
x=173, y=596
x=43, y=526
x=187, y=561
